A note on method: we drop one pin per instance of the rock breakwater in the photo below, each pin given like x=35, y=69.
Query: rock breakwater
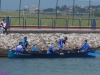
x=43, y=40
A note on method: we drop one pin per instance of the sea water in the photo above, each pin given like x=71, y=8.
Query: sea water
x=60, y=66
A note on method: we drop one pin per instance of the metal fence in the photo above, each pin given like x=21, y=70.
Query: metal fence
x=54, y=23
x=43, y=12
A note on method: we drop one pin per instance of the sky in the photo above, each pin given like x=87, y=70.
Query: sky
x=14, y=4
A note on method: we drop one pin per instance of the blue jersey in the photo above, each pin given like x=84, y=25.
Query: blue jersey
x=19, y=48
x=51, y=49
x=85, y=47
x=24, y=43
x=60, y=43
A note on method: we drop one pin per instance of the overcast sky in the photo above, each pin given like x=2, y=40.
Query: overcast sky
x=14, y=4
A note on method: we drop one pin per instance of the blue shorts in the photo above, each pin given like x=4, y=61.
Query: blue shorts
x=60, y=47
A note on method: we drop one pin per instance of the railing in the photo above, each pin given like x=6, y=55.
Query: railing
x=23, y=25
x=97, y=22
x=47, y=19
x=55, y=22
x=2, y=17
x=25, y=19
x=76, y=23
x=79, y=22
x=89, y=21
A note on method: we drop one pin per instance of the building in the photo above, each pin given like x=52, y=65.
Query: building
x=26, y=8
x=33, y=9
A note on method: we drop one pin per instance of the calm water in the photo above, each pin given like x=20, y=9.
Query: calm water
x=68, y=66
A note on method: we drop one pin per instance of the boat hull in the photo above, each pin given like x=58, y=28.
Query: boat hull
x=14, y=54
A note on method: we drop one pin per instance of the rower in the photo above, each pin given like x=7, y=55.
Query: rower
x=19, y=47
x=85, y=47
x=61, y=43
x=24, y=43
x=51, y=50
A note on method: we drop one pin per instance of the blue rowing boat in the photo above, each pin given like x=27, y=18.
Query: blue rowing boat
x=43, y=54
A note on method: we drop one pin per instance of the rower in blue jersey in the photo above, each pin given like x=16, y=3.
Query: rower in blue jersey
x=51, y=50
x=19, y=47
x=61, y=43
x=24, y=43
x=85, y=47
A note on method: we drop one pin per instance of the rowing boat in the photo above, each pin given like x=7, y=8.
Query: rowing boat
x=58, y=54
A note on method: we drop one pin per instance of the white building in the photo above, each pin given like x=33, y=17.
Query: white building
x=33, y=9
x=26, y=7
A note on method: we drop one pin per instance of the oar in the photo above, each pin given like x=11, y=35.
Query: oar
x=97, y=53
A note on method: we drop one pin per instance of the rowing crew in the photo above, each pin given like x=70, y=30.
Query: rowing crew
x=61, y=44
x=22, y=45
